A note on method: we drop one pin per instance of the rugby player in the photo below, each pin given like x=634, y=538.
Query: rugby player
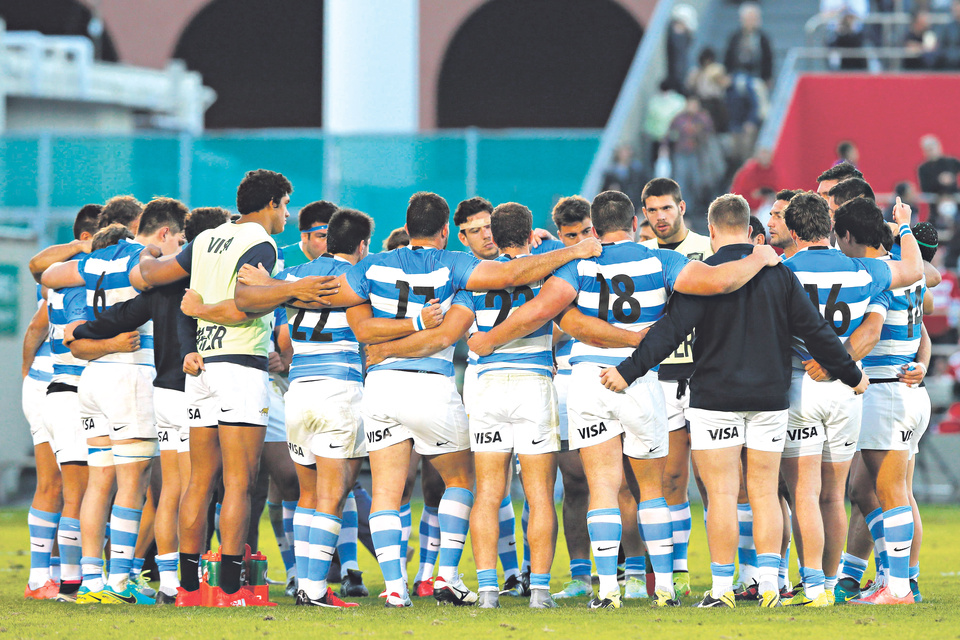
x=779, y=234
x=313, y=221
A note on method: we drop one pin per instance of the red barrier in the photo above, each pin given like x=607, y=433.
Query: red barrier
x=884, y=115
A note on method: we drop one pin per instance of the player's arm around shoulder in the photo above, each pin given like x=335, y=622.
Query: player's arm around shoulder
x=372, y=330
x=425, y=343
x=701, y=279
x=156, y=269
x=489, y=274
x=596, y=332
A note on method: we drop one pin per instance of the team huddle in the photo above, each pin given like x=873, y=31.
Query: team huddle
x=189, y=337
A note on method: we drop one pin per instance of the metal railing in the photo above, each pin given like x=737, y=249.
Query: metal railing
x=888, y=23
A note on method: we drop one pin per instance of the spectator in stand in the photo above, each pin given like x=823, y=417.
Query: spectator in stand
x=938, y=180
x=690, y=132
x=743, y=109
x=847, y=152
x=920, y=43
x=749, y=48
x=683, y=24
x=627, y=174
x=709, y=81
x=948, y=41
x=847, y=35
x=755, y=176
x=661, y=110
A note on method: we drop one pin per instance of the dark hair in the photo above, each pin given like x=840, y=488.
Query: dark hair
x=901, y=188
x=471, y=207
x=570, y=210
x=661, y=187
x=846, y=190
x=348, y=228
x=427, y=214
x=787, y=194
x=110, y=235
x=844, y=148
x=840, y=171
x=665, y=85
x=756, y=228
x=397, y=238
x=318, y=212
x=86, y=220
x=162, y=212
x=511, y=224
x=863, y=219
x=612, y=211
x=203, y=218
x=120, y=209
x=729, y=211
x=808, y=216
x=707, y=54
x=260, y=188
x=927, y=237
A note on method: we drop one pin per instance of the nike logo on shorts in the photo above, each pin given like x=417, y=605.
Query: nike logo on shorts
x=849, y=444
x=777, y=439
x=654, y=449
x=536, y=442
x=442, y=444
x=336, y=446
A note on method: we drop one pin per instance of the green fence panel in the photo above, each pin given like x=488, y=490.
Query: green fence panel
x=18, y=172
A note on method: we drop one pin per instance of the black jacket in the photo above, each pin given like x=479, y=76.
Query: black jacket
x=161, y=304
x=742, y=349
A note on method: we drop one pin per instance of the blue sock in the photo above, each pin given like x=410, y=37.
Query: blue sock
x=635, y=567
x=454, y=516
x=539, y=580
x=124, y=528
x=302, y=519
x=68, y=539
x=406, y=526
x=682, y=525
x=768, y=565
x=580, y=569
x=813, y=580
x=347, y=542
x=216, y=522
x=656, y=528
x=507, y=542
x=324, y=531
x=784, y=569
x=853, y=567
x=746, y=551
x=898, y=534
x=605, y=528
x=285, y=545
x=487, y=580
x=874, y=521
x=722, y=578
x=43, y=531
x=136, y=567
x=429, y=542
x=524, y=521
x=915, y=572
x=385, y=531
x=92, y=573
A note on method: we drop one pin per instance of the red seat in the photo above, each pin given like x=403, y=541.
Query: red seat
x=953, y=413
x=949, y=426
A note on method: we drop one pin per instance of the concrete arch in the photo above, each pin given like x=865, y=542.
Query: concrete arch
x=54, y=18
x=262, y=58
x=548, y=63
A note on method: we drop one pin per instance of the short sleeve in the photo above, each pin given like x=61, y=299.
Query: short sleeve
x=264, y=253
x=280, y=316
x=673, y=263
x=462, y=268
x=75, y=304
x=879, y=273
x=569, y=274
x=357, y=278
x=465, y=299
x=547, y=246
x=185, y=257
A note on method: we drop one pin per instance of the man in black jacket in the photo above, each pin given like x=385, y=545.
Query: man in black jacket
x=739, y=393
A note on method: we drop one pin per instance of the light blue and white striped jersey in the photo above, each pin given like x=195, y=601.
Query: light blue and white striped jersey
x=398, y=283
x=323, y=344
x=902, y=311
x=65, y=306
x=628, y=286
x=107, y=276
x=562, y=351
x=42, y=366
x=840, y=286
x=546, y=246
x=532, y=353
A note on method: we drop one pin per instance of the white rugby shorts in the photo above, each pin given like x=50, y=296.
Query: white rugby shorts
x=170, y=406
x=33, y=396
x=323, y=420
x=676, y=409
x=276, y=420
x=470, y=383
x=118, y=397
x=62, y=413
x=424, y=407
x=757, y=430
x=597, y=414
x=561, y=382
x=515, y=411
x=824, y=418
x=895, y=416
x=227, y=393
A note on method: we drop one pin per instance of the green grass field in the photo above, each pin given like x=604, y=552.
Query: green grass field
x=937, y=617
